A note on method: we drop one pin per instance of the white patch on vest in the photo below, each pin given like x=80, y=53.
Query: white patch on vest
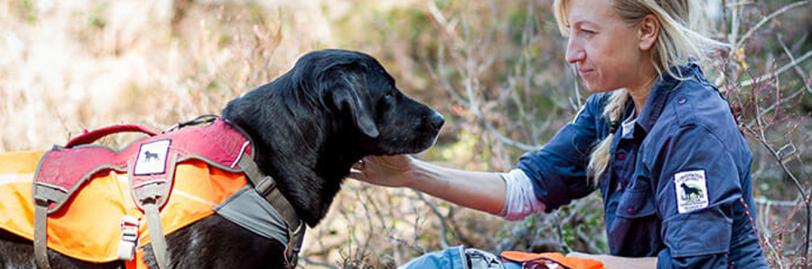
x=152, y=158
x=692, y=190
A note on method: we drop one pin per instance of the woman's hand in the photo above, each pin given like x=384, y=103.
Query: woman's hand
x=483, y=191
x=390, y=171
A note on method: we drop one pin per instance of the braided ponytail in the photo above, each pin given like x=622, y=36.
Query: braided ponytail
x=599, y=158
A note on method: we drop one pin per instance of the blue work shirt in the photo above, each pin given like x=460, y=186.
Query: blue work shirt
x=677, y=186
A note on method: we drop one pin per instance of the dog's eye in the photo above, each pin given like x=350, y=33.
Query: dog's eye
x=388, y=96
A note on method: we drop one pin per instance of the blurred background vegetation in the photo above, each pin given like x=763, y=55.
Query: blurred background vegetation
x=495, y=69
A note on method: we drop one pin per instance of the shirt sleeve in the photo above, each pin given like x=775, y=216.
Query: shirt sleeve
x=697, y=182
x=558, y=170
x=520, y=201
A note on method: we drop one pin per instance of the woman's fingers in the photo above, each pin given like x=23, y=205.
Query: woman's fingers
x=382, y=170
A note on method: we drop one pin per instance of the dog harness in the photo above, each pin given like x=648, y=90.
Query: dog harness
x=99, y=205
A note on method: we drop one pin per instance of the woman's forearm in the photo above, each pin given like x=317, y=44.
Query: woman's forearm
x=484, y=191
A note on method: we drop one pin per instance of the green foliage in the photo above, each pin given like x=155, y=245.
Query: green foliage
x=27, y=10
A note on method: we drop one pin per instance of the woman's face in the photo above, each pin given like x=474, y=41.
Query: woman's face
x=605, y=49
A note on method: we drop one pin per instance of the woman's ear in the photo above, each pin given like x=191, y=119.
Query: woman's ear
x=648, y=32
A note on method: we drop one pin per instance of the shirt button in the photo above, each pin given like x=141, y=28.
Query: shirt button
x=682, y=100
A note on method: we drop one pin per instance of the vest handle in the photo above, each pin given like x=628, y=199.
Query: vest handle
x=88, y=137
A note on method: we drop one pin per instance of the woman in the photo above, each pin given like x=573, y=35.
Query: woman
x=656, y=138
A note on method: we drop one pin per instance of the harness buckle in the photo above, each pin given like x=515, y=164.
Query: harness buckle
x=265, y=185
x=129, y=237
x=41, y=201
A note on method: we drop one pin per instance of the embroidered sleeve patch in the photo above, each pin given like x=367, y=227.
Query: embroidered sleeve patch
x=691, y=190
x=152, y=158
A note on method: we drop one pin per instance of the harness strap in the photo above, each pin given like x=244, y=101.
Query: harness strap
x=43, y=194
x=295, y=245
x=41, y=233
x=156, y=233
x=295, y=225
x=283, y=206
x=266, y=186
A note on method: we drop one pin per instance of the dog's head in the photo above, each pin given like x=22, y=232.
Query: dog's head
x=363, y=96
x=330, y=110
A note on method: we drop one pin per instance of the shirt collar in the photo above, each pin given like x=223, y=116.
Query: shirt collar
x=658, y=95
x=627, y=126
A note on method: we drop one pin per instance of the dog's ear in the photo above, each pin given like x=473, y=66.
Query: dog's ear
x=347, y=93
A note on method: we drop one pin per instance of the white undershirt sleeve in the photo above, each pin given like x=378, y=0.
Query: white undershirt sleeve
x=520, y=200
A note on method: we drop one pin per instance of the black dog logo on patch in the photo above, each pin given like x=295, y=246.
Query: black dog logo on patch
x=688, y=190
x=149, y=155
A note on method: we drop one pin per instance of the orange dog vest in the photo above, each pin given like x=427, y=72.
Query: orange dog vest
x=89, y=227
x=96, y=204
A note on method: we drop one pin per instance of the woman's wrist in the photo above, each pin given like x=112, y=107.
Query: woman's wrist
x=416, y=174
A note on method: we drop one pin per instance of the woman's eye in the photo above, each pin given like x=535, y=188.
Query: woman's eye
x=588, y=32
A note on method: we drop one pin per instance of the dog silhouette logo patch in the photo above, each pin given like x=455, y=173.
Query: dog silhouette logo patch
x=152, y=158
x=149, y=155
x=691, y=190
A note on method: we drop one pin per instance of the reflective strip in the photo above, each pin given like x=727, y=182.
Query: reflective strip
x=192, y=197
x=54, y=187
x=15, y=178
x=242, y=152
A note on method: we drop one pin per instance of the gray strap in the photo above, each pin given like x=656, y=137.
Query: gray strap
x=266, y=186
x=43, y=196
x=251, y=170
x=41, y=233
x=156, y=233
x=295, y=244
x=284, y=208
x=50, y=194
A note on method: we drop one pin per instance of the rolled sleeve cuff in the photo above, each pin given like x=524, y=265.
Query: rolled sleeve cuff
x=549, y=186
x=520, y=199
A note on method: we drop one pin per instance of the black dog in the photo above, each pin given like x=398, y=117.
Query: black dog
x=149, y=155
x=688, y=190
x=309, y=126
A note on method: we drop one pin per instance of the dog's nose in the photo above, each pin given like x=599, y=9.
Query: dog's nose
x=436, y=120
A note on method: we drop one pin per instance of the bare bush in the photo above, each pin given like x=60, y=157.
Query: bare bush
x=495, y=68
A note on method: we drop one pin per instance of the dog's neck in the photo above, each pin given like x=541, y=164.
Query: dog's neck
x=304, y=152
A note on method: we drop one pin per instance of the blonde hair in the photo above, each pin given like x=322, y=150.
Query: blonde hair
x=676, y=45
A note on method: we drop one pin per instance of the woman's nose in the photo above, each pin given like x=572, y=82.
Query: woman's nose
x=574, y=52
